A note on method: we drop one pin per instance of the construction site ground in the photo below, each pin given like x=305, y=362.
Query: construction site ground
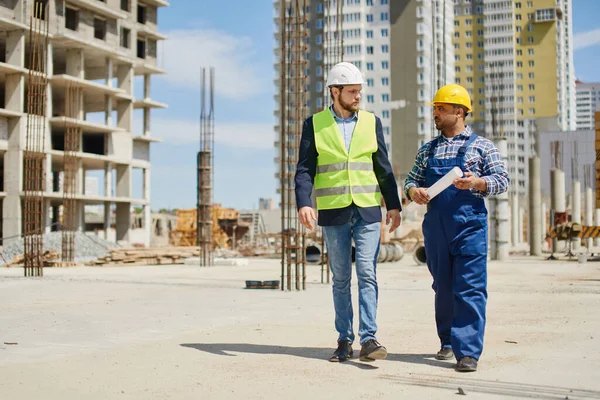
x=184, y=332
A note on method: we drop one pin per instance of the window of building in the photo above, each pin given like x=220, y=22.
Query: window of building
x=385, y=114
x=519, y=52
x=369, y=34
x=531, y=63
x=369, y=49
x=517, y=5
x=385, y=64
x=71, y=18
x=532, y=99
x=385, y=48
x=385, y=98
x=384, y=16
x=126, y=5
x=100, y=28
x=141, y=48
x=369, y=17
x=141, y=14
x=370, y=82
x=384, y=2
x=385, y=32
x=531, y=86
x=125, y=37
x=370, y=98
x=530, y=52
x=458, y=80
x=530, y=39
x=385, y=81
x=518, y=17
x=369, y=66
x=518, y=29
x=532, y=111
x=456, y=34
x=531, y=75
x=456, y=69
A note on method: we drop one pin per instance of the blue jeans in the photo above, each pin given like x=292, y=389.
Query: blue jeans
x=339, y=246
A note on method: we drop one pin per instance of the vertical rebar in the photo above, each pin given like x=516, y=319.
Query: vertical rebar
x=72, y=139
x=293, y=110
x=205, y=163
x=35, y=137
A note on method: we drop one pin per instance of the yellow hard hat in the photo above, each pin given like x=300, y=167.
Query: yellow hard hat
x=453, y=94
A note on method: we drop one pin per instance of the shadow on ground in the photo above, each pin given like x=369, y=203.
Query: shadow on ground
x=317, y=353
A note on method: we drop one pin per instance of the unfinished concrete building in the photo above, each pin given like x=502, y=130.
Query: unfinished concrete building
x=101, y=47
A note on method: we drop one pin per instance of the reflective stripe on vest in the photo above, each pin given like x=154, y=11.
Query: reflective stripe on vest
x=344, y=177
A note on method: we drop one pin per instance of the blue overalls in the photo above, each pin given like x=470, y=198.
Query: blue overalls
x=456, y=240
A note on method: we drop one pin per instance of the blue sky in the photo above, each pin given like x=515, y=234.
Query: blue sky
x=238, y=42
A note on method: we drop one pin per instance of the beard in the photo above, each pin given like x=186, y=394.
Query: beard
x=350, y=107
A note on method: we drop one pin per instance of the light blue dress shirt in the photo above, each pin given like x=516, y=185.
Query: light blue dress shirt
x=346, y=127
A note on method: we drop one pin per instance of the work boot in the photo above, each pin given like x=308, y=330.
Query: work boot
x=372, y=350
x=467, y=364
x=445, y=353
x=343, y=352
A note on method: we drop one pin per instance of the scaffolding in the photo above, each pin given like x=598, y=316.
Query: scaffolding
x=72, y=144
x=205, y=163
x=35, y=137
x=293, y=109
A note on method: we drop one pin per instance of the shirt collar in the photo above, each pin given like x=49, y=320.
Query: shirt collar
x=463, y=135
x=353, y=117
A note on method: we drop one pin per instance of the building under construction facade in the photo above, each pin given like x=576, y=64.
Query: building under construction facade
x=93, y=51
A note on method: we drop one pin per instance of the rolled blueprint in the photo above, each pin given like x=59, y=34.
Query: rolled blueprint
x=440, y=185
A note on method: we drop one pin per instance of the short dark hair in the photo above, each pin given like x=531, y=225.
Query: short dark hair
x=465, y=112
x=335, y=86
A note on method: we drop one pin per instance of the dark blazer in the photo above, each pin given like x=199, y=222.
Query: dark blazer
x=307, y=167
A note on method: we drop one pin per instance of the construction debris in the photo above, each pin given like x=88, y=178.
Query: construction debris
x=47, y=257
x=87, y=247
x=146, y=256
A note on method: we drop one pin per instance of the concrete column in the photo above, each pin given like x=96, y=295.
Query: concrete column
x=576, y=211
x=108, y=169
x=109, y=72
x=543, y=224
x=13, y=181
x=75, y=63
x=47, y=217
x=558, y=199
x=535, y=201
x=123, y=221
x=514, y=220
x=107, y=219
x=147, y=208
x=147, y=86
x=146, y=122
x=521, y=225
x=503, y=228
x=79, y=178
x=123, y=181
x=108, y=107
x=589, y=213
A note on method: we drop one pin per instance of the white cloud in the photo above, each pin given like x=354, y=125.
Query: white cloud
x=586, y=39
x=235, y=134
x=238, y=73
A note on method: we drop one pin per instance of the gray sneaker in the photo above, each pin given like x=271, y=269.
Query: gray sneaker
x=372, y=350
x=445, y=353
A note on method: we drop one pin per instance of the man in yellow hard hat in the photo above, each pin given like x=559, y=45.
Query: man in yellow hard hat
x=455, y=225
x=344, y=158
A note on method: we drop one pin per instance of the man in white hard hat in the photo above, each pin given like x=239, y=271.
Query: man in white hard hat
x=344, y=157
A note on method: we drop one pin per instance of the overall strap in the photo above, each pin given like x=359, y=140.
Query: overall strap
x=463, y=148
x=432, y=146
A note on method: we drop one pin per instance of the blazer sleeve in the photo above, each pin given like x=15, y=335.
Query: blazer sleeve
x=307, y=165
x=383, y=171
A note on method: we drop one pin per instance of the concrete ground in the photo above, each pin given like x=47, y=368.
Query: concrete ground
x=182, y=332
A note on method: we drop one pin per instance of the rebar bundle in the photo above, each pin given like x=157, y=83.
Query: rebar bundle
x=73, y=100
x=293, y=109
x=205, y=164
x=33, y=154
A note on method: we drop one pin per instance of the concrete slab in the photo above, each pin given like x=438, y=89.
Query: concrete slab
x=186, y=332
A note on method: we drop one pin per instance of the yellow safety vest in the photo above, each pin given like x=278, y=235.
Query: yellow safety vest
x=343, y=178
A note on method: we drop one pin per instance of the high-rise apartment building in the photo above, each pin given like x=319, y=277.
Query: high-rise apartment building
x=516, y=59
x=422, y=60
x=99, y=47
x=588, y=102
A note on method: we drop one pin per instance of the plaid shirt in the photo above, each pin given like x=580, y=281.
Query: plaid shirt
x=482, y=158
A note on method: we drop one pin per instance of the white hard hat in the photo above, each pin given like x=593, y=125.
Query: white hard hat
x=344, y=73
